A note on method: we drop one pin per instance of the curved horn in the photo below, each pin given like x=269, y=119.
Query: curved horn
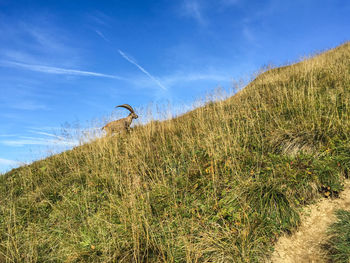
x=126, y=106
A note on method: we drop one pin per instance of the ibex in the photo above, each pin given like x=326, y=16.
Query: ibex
x=122, y=125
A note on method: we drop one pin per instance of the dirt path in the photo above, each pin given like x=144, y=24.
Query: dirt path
x=305, y=244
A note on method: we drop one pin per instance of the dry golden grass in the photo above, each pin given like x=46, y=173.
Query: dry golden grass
x=217, y=184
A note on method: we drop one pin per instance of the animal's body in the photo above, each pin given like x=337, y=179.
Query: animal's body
x=122, y=125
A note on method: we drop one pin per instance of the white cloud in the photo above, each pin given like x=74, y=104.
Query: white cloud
x=56, y=70
x=192, y=8
x=200, y=10
x=49, y=139
x=27, y=105
x=100, y=18
x=181, y=79
x=195, y=76
x=70, y=137
x=8, y=162
x=34, y=41
x=22, y=141
x=48, y=134
x=46, y=38
x=17, y=55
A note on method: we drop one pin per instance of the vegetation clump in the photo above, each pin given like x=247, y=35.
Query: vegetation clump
x=338, y=244
x=218, y=184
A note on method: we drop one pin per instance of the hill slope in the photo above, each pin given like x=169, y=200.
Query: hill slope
x=218, y=184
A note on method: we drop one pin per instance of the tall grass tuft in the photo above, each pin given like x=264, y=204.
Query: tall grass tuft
x=338, y=244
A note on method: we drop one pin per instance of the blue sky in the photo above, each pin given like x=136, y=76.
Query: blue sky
x=68, y=63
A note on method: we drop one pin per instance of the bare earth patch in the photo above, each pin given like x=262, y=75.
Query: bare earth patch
x=305, y=244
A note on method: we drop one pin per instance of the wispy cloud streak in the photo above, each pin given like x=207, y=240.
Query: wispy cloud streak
x=192, y=8
x=142, y=69
x=56, y=70
x=38, y=141
x=48, y=134
x=8, y=162
x=74, y=137
x=195, y=77
x=49, y=140
x=27, y=105
x=102, y=36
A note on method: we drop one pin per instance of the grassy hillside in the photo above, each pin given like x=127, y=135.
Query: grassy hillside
x=218, y=184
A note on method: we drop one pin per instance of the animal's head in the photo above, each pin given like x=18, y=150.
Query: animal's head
x=134, y=115
x=132, y=112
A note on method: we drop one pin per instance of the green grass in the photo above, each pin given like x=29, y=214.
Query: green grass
x=338, y=244
x=218, y=184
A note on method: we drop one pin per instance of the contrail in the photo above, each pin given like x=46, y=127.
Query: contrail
x=56, y=70
x=102, y=35
x=142, y=69
x=132, y=61
x=22, y=141
x=48, y=134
